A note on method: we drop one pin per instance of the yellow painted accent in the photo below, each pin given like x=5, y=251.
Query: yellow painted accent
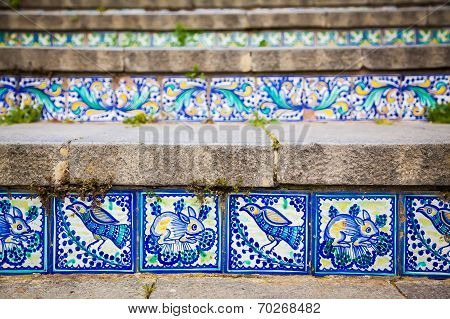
x=54, y=93
x=151, y=105
x=77, y=105
x=96, y=85
x=418, y=111
x=199, y=99
x=122, y=100
x=440, y=91
x=9, y=98
x=343, y=106
x=247, y=92
x=171, y=92
x=377, y=84
x=94, y=112
x=410, y=97
x=360, y=91
x=390, y=96
x=184, y=85
x=41, y=85
x=337, y=227
x=162, y=225
x=425, y=83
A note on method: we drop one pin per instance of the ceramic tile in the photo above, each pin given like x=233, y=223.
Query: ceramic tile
x=327, y=98
x=267, y=233
x=179, y=232
x=89, y=238
x=372, y=37
x=135, y=95
x=28, y=39
x=375, y=97
x=421, y=92
x=61, y=39
x=356, y=37
x=47, y=92
x=426, y=245
x=233, y=98
x=266, y=39
x=184, y=98
x=163, y=40
x=392, y=36
x=7, y=93
x=424, y=36
x=442, y=36
x=280, y=98
x=326, y=38
x=233, y=39
x=355, y=234
x=23, y=234
x=342, y=38
x=92, y=99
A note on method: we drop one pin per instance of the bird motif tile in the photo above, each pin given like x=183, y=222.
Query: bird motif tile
x=267, y=233
x=23, y=234
x=179, y=232
x=355, y=234
x=94, y=236
x=426, y=241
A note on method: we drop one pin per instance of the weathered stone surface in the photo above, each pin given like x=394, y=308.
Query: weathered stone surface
x=190, y=4
x=64, y=60
x=337, y=59
x=365, y=154
x=210, y=287
x=173, y=60
x=165, y=154
x=413, y=57
x=424, y=289
x=225, y=19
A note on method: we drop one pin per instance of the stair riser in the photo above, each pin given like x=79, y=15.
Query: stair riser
x=225, y=20
x=230, y=240
x=284, y=98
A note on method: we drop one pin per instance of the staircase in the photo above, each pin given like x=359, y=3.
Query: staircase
x=271, y=127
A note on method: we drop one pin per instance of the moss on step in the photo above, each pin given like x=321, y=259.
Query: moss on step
x=18, y=115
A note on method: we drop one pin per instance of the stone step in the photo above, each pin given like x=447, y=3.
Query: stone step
x=355, y=154
x=195, y=4
x=210, y=286
x=231, y=60
x=229, y=19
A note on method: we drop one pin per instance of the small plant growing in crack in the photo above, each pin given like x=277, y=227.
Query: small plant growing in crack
x=149, y=289
x=261, y=122
x=182, y=36
x=18, y=115
x=140, y=119
x=195, y=73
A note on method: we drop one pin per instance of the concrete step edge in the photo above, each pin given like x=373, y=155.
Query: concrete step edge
x=223, y=60
x=231, y=19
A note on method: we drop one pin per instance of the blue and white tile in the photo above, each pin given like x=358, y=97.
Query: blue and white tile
x=376, y=97
x=266, y=39
x=163, y=40
x=267, y=233
x=232, y=39
x=7, y=93
x=91, y=99
x=179, y=232
x=426, y=240
x=184, y=99
x=422, y=92
x=442, y=36
x=94, y=236
x=23, y=234
x=280, y=98
x=328, y=97
x=326, y=38
x=233, y=98
x=355, y=234
x=47, y=92
x=136, y=95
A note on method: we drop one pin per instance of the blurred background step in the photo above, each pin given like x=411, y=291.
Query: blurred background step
x=193, y=4
x=175, y=60
x=230, y=19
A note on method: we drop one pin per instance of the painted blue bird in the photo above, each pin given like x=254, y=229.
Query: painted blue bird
x=440, y=218
x=101, y=224
x=275, y=225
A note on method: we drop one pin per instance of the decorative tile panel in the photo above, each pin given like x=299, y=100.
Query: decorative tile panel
x=329, y=98
x=280, y=98
x=375, y=97
x=179, y=232
x=426, y=241
x=233, y=98
x=23, y=234
x=420, y=92
x=94, y=236
x=355, y=234
x=267, y=233
x=275, y=38
x=7, y=93
x=184, y=98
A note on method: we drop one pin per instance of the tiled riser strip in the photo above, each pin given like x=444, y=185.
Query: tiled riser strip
x=234, y=98
x=290, y=38
x=273, y=232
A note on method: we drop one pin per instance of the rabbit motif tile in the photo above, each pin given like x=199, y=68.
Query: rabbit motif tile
x=179, y=232
x=426, y=241
x=267, y=233
x=355, y=234
x=23, y=234
x=94, y=235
